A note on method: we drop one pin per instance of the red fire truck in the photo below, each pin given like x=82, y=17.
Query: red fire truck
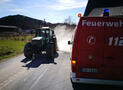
x=97, y=51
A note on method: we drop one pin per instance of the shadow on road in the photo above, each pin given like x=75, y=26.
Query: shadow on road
x=25, y=60
x=37, y=62
x=95, y=87
x=34, y=63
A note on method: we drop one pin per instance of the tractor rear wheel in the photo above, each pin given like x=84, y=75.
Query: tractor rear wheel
x=50, y=50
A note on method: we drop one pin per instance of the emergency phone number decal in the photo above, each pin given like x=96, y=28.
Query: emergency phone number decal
x=115, y=41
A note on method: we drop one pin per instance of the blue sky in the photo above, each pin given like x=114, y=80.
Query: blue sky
x=53, y=11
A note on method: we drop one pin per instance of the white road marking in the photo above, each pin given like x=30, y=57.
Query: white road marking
x=8, y=81
x=39, y=78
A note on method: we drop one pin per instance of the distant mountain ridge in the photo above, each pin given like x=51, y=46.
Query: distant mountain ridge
x=23, y=22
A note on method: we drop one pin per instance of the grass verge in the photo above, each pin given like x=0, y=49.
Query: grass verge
x=9, y=48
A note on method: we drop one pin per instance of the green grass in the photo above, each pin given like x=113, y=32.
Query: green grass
x=9, y=48
x=13, y=46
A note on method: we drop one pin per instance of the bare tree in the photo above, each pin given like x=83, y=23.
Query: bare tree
x=69, y=20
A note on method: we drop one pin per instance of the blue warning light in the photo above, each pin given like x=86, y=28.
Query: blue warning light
x=106, y=11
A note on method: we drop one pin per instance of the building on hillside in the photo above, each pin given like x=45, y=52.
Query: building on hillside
x=9, y=29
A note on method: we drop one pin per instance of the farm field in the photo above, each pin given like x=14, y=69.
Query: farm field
x=12, y=46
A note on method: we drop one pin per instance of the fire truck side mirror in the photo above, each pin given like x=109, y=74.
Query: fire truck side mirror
x=69, y=42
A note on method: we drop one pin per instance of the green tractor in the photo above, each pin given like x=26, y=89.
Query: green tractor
x=43, y=44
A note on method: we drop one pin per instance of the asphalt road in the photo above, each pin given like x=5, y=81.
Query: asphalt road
x=19, y=73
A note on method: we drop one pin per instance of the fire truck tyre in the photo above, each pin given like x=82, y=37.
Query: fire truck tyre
x=73, y=83
x=28, y=50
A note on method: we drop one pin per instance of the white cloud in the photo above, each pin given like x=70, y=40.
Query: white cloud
x=17, y=10
x=4, y=1
x=66, y=1
x=8, y=6
x=68, y=4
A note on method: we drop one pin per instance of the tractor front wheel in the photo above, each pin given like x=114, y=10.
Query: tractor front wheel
x=28, y=50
